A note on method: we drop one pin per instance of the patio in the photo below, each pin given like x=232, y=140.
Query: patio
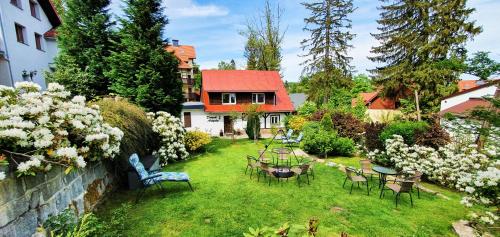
x=226, y=202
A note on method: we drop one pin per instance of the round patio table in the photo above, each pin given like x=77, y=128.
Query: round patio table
x=382, y=173
x=282, y=154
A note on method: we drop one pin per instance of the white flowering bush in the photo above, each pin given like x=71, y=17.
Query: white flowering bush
x=465, y=168
x=172, y=135
x=39, y=129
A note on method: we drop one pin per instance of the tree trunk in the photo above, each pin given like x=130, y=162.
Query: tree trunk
x=418, y=106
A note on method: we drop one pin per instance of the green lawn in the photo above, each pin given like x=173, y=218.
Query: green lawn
x=226, y=202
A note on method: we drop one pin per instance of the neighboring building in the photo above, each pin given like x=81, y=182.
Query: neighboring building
x=379, y=109
x=465, y=100
x=461, y=104
x=27, y=40
x=225, y=92
x=298, y=99
x=186, y=55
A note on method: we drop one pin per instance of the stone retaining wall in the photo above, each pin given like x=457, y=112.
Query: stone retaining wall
x=27, y=202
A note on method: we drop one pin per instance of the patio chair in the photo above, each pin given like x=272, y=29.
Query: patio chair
x=295, y=141
x=366, y=168
x=288, y=135
x=252, y=163
x=416, y=178
x=404, y=186
x=155, y=177
x=355, y=176
x=311, y=163
x=266, y=171
x=300, y=170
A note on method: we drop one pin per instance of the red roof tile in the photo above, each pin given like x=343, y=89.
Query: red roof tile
x=467, y=106
x=244, y=81
x=183, y=53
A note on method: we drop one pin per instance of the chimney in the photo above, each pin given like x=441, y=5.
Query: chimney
x=175, y=42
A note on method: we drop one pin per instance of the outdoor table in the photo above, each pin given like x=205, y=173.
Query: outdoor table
x=281, y=152
x=383, y=172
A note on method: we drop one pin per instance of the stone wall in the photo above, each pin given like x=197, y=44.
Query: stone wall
x=27, y=202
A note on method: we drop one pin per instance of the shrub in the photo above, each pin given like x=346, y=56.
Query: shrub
x=317, y=140
x=307, y=109
x=406, y=129
x=318, y=115
x=194, y=140
x=296, y=122
x=50, y=127
x=348, y=125
x=172, y=134
x=253, y=126
x=138, y=137
x=435, y=137
x=372, y=136
x=343, y=146
x=326, y=122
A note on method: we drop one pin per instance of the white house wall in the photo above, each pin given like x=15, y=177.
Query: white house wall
x=213, y=123
x=455, y=100
x=26, y=56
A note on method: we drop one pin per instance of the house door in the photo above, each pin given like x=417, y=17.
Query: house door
x=228, y=125
x=187, y=119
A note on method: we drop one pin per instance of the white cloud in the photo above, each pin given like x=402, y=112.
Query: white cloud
x=189, y=8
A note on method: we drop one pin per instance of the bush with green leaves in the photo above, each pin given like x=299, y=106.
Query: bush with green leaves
x=67, y=224
x=307, y=109
x=196, y=140
x=406, y=129
x=318, y=140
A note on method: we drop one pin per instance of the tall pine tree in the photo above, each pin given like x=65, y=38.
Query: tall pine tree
x=330, y=38
x=421, y=47
x=141, y=69
x=326, y=60
x=84, y=41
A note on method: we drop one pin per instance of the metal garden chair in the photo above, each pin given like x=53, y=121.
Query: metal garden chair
x=355, y=177
x=404, y=186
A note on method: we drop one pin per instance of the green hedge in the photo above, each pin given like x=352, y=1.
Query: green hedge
x=321, y=141
x=138, y=133
x=406, y=129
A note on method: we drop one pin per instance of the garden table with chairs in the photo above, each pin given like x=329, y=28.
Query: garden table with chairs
x=383, y=172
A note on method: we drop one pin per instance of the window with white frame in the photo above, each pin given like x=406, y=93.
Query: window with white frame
x=275, y=119
x=258, y=98
x=228, y=98
x=16, y=3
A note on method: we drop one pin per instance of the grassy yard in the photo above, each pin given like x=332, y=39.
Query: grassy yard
x=226, y=202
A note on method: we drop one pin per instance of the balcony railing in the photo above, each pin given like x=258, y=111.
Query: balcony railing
x=188, y=81
x=190, y=97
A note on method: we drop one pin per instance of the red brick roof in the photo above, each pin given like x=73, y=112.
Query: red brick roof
x=183, y=53
x=467, y=106
x=244, y=81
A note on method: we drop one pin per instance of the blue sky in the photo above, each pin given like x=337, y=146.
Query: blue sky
x=213, y=27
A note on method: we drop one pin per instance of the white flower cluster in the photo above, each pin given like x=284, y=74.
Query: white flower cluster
x=464, y=168
x=53, y=127
x=2, y=176
x=172, y=135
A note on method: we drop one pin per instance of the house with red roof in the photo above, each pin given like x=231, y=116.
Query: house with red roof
x=379, y=108
x=27, y=40
x=464, y=101
x=225, y=92
x=186, y=55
